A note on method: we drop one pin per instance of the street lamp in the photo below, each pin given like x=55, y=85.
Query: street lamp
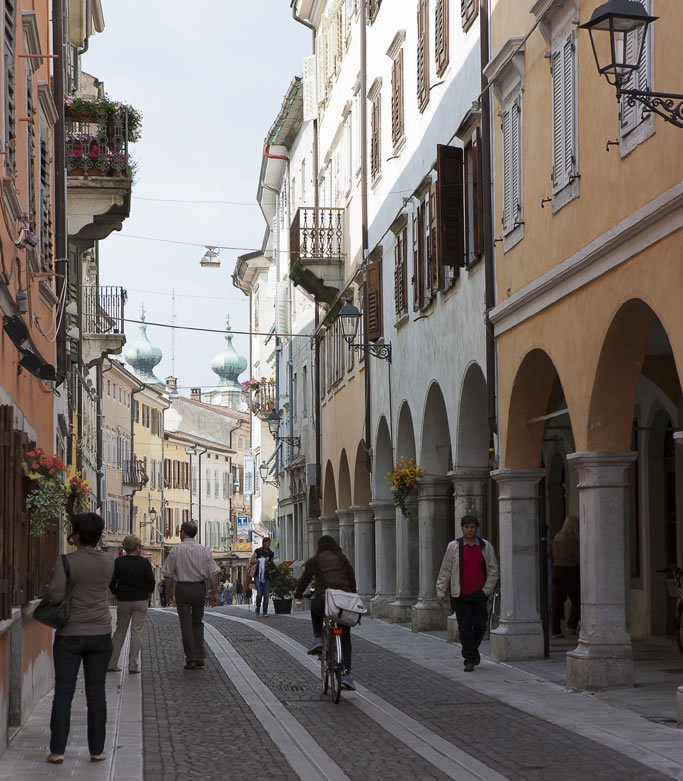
x=273, y=421
x=618, y=31
x=264, y=471
x=210, y=258
x=350, y=317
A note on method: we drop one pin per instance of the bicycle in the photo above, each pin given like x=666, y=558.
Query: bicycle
x=674, y=584
x=494, y=609
x=331, y=664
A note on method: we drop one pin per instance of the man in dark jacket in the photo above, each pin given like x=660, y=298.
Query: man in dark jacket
x=263, y=558
x=331, y=569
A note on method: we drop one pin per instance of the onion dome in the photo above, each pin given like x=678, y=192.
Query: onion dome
x=228, y=365
x=143, y=356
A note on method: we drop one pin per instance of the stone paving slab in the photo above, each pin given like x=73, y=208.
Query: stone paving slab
x=520, y=745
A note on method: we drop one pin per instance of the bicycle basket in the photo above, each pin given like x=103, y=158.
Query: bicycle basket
x=343, y=607
x=672, y=585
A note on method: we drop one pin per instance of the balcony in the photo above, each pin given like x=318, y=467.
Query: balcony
x=102, y=322
x=134, y=476
x=99, y=174
x=261, y=398
x=316, y=245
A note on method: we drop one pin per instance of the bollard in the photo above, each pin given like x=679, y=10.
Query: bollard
x=679, y=706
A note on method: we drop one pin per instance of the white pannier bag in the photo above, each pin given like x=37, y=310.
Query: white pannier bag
x=344, y=607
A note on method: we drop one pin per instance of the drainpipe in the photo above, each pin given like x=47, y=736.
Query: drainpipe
x=266, y=153
x=315, y=512
x=490, y=291
x=364, y=219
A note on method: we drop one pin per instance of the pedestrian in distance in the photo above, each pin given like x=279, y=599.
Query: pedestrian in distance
x=565, y=556
x=86, y=637
x=469, y=573
x=162, y=593
x=331, y=569
x=190, y=566
x=239, y=590
x=133, y=586
x=263, y=574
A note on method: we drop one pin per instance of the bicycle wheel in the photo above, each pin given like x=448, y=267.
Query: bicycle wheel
x=335, y=670
x=324, y=668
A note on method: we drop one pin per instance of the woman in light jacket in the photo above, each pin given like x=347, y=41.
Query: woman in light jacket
x=86, y=637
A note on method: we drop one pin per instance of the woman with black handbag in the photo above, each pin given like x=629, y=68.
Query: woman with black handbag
x=86, y=636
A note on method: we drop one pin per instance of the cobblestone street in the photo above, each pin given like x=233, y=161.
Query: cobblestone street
x=256, y=707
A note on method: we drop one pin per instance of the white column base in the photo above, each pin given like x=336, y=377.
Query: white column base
x=517, y=640
x=400, y=610
x=453, y=634
x=599, y=666
x=428, y=615
x=380, y=606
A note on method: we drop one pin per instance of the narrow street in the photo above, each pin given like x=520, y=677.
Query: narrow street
x=257, y=708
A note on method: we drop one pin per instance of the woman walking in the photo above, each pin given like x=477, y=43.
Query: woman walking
x=132, y=585
x=86, y=637
x=565, y=556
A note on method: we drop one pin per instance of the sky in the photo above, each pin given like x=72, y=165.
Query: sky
x=209, y=78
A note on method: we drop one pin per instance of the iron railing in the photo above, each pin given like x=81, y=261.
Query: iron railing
x=97, y=144
x=103, y=309
x=317, y=234
x=262, y=399
x=134, y=473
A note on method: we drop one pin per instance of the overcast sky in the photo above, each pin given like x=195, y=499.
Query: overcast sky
x=209, y=78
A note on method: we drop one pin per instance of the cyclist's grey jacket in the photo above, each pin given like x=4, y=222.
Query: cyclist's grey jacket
x=450, y=568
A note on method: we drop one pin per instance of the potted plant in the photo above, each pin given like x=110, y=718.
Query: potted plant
x=282, y=588
x=46, y=500
x=403, y=480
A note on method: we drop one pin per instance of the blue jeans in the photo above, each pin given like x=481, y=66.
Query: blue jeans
x=68, y=652
x=262, y=592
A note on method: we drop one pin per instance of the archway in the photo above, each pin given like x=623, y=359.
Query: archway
x=344, y=481
x=345, y=529
x=435, y=452
x=383, y=462
x=329, y=491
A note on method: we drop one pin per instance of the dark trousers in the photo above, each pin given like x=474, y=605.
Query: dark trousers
x=189, y=600
x=472, y=615
x=317, y=615
x=566, y=583
x=262, y=593
x=68, y=652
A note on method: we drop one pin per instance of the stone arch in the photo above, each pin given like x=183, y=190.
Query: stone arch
x=617, y=377
x=473, y=431
x=384, y=461
x=435, y=454
x=405, y=441
x=361, y=477
x=344, y=482
x=329, y=491
x=536, y=391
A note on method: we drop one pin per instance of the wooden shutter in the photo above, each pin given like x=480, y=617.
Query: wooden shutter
x=558, y=121
x=46, y=241
x=167, y=471
x=422, y=54
x=451, y=206
x=418, y=240
x=507, y=171
x=441, y=41
x=10, y=86
x=372, y=7
x=400, y=273
x=397, y=124
x=433, y=265
x=375, y=119
x=516, y=161
x=569, y=93
x=564, y=135
x=632, y=116
x=468, y=12
x=373, y=292
x=478, y=191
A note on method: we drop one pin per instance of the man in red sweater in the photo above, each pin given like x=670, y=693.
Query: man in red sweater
x=469, y=573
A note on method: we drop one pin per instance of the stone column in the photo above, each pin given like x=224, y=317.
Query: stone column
x=469, y=498
x=406, y=564
x=330, y=525
x=346, y=534
x=385, y=558
x=433, y=535
x=314, y=527
x=603, y=656
x=520, y=632
x=364, y=550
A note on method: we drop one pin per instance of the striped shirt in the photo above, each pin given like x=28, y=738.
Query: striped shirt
x=189, y=562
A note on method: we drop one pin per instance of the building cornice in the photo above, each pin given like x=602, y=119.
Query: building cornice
x=640, y=230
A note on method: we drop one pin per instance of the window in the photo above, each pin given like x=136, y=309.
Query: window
x=422, y=54
x=468, y=12
x=146, y=418
x=372, y=9
x=208, y=483
x=474, y=228
x=512, y=165
x=156, y=422
x=441, y=36
x=374, y=95
x=397, y=115
x=425, y=268
x=215, y=484
x=401, y=271
x=153, y=474
x=373, y=277
x=167, y=473
x=194, y=480
x=226, y=485
x=136, y=409
x=304, y=391
x=632, y=116
x=9, y=97
x=563, y=71
x=295, y=392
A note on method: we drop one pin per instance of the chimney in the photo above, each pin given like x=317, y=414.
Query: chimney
x=196, y=394
x=172, y=385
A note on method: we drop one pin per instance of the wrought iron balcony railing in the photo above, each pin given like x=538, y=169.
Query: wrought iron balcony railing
x=261, y=398
x=97, y=144
x=317, y=235
x=103, y=310
x=134, y=473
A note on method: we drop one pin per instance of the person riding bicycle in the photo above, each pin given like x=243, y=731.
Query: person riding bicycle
x=329, y=568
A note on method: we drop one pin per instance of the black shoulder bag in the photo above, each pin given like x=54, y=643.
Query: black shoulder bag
x=56, y=615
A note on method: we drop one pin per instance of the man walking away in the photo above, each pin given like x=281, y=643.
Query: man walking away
x=469, y=572
x=191, y=565
x=239, y=589
x=263, y=557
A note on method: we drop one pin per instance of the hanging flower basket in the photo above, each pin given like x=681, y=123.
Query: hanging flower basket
x=77, y=495
x=46, y=501
x=403, y=480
